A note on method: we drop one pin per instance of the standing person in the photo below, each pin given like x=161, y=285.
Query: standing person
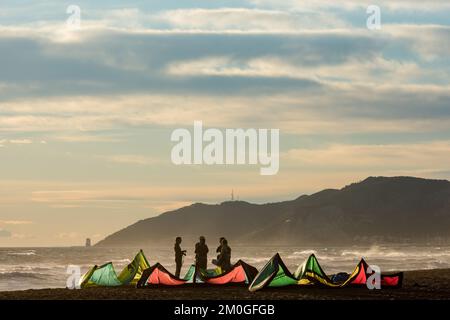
x=178, y=256
x=224, y=260
x=219, y=248
x=201, y=254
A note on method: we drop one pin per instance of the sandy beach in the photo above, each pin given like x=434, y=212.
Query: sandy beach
x=424, y=284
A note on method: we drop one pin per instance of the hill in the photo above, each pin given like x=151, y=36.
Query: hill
x=377, y=209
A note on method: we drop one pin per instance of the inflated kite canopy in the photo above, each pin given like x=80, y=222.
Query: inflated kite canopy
x=241, y=274
x=360, y=275
x=273, y=274
x=105, y=275
x=158, y=275
x=133, y=271
x=196, y=275
x=310, y=273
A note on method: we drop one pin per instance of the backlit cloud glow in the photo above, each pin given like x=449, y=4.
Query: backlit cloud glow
x=86, y=114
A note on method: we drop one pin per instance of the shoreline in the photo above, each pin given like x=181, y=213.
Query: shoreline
x=421, y=284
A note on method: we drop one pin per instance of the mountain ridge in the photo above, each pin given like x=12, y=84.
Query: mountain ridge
x=376, y=209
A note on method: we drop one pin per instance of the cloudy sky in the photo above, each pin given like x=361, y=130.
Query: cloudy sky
x=86, y=114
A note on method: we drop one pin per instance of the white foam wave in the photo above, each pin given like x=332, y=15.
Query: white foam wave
x=304, y=252
x=23, y=253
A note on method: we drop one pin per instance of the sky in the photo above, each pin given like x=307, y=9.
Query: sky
x=86, y=113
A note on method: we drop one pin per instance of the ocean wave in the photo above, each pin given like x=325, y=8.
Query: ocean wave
x=121, y=261
x=299, y=254
x=372, y=254
x=16, y=275
x=303, y=252
x=23, y=253
x=32, y=268
x=375, y=252
x=253, y=259
x=385, y=254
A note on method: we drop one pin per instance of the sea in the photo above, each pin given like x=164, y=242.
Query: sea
x=36, y=268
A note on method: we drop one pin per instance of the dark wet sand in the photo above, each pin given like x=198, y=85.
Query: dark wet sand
x=425, y=284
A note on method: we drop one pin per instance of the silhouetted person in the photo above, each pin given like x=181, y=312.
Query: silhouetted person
x=201, y=254
x=178, y=256
x=224, y=260
x=218, y=250
x=220, y=246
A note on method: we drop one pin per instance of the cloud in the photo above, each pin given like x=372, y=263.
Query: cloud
x=414, y=157
x=5, y=142
x=426, y=40
x=83, y=137
x=340, y=108
x=22, y=236
x=351, y=5
x=5, y=233
x=132, y=159
x=68, y=235
x=105, y=62
x=116, y=194
x=356, y=71
x=16, y=222
x=245, y=19
x=20, y=141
